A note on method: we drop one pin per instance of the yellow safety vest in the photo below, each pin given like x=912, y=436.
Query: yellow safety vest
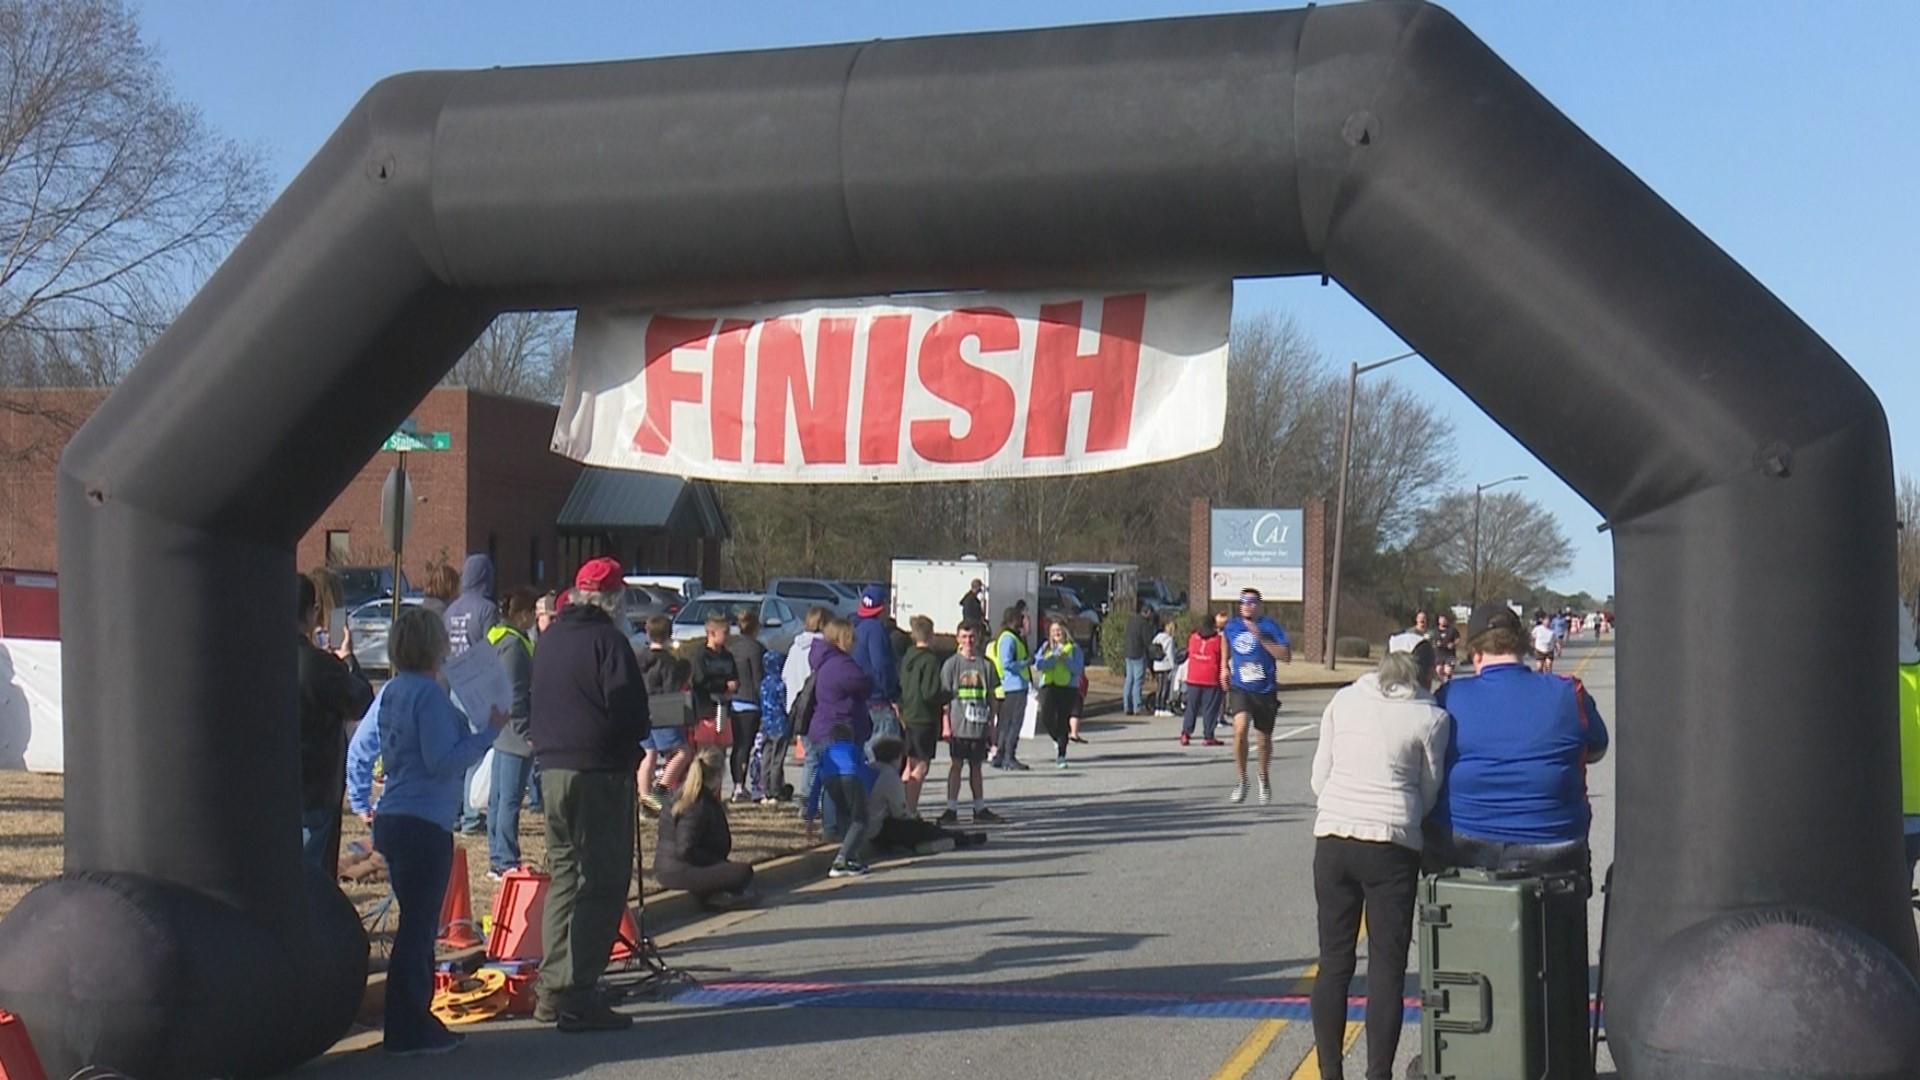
x=1910, y=738
x=501, y=630
x=1060, y=672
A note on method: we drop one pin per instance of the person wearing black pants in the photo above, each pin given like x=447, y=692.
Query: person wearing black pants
x=1383, y=879
x=1376, y=772
x=1057, y=667
x=750, y=661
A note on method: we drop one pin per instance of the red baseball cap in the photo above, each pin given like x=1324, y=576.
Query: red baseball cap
x=598, y=575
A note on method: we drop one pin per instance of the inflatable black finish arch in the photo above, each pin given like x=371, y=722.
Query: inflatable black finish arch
x=1760, y=924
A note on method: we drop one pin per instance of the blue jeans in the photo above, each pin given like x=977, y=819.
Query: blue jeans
x=1133, y=693
x=1203, y=702
x=320, y=833
x=885, y=725
x=419, y=857
x=511, y=775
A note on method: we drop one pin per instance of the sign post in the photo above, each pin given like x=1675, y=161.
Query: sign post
x=396, y=495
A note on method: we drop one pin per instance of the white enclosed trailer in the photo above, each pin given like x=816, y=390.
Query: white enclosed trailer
x=933, y=587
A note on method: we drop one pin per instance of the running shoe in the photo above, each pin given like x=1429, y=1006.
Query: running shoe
x=849, y=868
x=1186, y=740
x=1212, y=742
x=987, y=817
x=1266, y=792
x=1060, y=763
x=1239, y=793
x=1016, y=765
x=947, y=817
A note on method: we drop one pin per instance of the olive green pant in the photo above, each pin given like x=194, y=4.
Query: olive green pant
x=590, y=857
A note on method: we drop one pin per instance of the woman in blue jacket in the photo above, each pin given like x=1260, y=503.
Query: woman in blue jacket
x=427, y=747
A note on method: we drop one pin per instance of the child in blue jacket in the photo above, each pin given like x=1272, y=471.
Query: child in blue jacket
x=776, y=735
x=846, y=777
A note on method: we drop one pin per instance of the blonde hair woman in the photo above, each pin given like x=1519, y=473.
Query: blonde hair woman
x=695, y=839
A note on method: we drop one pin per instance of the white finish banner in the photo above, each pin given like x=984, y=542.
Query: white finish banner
x=954, y=386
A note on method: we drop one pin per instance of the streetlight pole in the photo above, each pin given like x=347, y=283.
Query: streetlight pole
x=1474, y=600
x=1340, y=501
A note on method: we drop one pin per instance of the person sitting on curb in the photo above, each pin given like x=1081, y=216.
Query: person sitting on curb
x=695, y=840
x=844, y=776
x=892, y=823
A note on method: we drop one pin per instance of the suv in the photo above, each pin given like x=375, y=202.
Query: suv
x=1160, y=594
x=359, y=584
x=801, y=593
x=779, y=623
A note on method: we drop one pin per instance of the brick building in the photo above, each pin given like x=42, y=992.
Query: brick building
x=498, y=490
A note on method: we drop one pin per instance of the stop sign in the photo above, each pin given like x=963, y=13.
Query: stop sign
x=396, y=509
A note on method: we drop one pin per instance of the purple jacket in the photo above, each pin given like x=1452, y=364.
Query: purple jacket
x=840, y=691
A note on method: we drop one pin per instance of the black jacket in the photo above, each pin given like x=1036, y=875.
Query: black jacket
x=589, y=701
x=1140, y=633
x=700, y=837
x=333, y=694
x=750, y=664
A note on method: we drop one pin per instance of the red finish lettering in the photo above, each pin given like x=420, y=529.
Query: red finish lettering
x=885, y=390
x=985, y=396
x=665, y=384
x=1060, y=371
x=819, y=406
x=727, y=411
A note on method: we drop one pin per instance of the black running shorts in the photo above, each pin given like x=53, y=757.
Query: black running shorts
x=1261, y=708
x=923, y=741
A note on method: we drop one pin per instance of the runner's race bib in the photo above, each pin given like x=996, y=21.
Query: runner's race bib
x=972, y=720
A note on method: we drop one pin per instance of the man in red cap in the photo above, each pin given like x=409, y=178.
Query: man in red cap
x=589, y=716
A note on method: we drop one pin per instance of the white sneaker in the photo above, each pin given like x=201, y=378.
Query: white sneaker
x=1161, y=713
x=1239, y=793
x=1266, y=793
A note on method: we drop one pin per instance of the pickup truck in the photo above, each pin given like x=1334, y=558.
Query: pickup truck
x=1160, y=594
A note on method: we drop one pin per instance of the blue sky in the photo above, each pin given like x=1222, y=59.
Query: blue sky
x=1788, y=132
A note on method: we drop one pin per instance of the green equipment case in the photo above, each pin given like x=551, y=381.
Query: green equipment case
x=1503, y=976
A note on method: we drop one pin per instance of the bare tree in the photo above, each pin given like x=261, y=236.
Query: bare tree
x=1907, y=505
x=521, y=354
x=113, y=192
x=1519, y=544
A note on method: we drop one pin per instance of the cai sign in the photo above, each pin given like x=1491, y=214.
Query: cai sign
x=1260, y=549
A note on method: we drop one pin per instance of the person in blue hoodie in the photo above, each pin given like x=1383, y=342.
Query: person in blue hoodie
x=469, y=617
x=873, y=651
x=427, y=747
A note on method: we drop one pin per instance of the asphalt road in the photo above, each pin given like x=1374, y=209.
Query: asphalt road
x=1128, y=923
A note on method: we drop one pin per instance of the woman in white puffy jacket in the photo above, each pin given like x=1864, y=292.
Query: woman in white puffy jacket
x=1377, y=772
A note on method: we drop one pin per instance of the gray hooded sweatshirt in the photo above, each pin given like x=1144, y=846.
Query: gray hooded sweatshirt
x=473, y=613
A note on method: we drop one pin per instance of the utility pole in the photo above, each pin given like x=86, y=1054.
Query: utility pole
x=1340, y=500
x=1473, y=601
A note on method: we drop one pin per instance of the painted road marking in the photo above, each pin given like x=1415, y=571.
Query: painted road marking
x=1310, y=1066
x=1250, y=1051
x=1012, y=998
x=1295, y=731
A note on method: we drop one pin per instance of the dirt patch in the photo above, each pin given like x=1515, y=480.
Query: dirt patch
x=32, y=831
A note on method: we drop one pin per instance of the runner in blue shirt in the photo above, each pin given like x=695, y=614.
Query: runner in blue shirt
x=1256, y=646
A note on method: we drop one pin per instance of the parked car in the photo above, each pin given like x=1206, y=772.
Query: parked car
x=646, y=601
x=685, y=584
x=1081, y=617
x=779, y=623
x=802, y=593
x=1160, y=594
x=367, y=625
x=359, y=584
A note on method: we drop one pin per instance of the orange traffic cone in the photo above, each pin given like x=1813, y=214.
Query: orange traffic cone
x=517, y=913
x=458, y=930
x=17, y=1059
x=629, y=937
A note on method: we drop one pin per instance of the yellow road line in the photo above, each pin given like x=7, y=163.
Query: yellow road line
x=1251, y=1049
x=1310, y=1067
